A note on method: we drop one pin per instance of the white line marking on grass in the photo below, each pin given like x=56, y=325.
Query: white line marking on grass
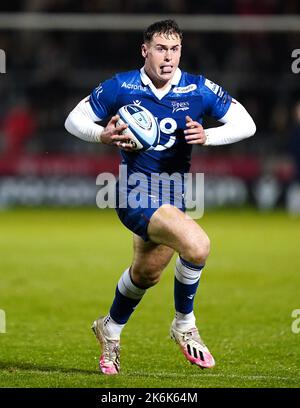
x=217, y=375
x=129, y=373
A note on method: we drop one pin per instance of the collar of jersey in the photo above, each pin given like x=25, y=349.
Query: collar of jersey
x=160, y=93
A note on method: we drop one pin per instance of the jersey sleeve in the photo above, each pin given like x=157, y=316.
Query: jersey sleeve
x=103, y=98
x=215, y=99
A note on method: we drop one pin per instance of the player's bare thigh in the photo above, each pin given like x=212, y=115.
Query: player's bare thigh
x=149, y=261
x=170, y=226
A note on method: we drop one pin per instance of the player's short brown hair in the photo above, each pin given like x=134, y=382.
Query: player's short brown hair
x=165, y=27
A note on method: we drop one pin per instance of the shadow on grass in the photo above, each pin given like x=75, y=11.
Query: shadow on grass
x=16, y=366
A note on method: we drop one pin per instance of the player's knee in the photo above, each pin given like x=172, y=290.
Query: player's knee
x=147, y=280
x=197, y=252
x=147, y=276
x=151, y=280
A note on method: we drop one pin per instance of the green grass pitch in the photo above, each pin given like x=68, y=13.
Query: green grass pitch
x=58, y=271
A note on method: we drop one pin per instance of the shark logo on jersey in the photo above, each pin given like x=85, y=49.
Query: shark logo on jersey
x=180, y=106
x=185, y=89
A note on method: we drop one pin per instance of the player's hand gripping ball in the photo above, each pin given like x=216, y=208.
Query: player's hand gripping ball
x=142, y=128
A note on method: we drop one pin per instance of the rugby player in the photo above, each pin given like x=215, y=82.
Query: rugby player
x=178, y=100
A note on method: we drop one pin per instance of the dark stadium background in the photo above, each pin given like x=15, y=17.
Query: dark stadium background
x=49, y=70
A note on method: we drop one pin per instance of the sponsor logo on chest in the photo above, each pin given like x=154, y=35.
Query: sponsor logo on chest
x=134, y=86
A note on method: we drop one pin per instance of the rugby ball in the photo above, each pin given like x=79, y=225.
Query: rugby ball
x=142, y=126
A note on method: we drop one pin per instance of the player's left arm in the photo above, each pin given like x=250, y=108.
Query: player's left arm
x=237, y=125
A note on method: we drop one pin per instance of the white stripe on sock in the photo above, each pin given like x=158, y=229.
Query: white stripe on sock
x=186, y=275
x=128, y=288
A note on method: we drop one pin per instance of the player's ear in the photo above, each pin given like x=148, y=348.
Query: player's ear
x=144, y=50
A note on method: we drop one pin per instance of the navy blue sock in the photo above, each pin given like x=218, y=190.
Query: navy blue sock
x=186, y=282
x=127, y=297
x=184, y=296
x=122, y=307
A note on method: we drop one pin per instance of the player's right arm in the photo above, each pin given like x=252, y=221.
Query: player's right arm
x=80, y=123
x=99, y=105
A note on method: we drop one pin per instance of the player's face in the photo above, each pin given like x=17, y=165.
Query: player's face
x=162, y=56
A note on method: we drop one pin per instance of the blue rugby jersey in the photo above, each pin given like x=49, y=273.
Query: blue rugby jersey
x=192, y=95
